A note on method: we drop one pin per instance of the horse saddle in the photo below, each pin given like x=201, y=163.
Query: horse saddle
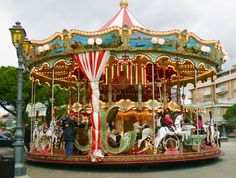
x=171, y=128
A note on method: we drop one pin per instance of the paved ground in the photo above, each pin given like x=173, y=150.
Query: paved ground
x=223, y=167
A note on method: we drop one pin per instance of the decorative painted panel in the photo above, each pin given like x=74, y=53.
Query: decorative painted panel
x=57, y=46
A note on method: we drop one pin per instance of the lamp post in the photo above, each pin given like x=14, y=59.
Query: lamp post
x=22, y=45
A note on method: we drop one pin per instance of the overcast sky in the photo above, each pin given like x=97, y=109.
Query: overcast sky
x=209, y=19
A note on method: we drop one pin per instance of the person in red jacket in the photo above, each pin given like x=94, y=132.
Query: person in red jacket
x=200, y=124
x=168, y=121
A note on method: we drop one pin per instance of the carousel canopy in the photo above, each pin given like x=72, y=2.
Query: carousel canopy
x=129, y=45
x=122, y=18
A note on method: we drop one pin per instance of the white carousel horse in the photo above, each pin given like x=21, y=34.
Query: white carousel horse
x=158, y=122
x=37, y=134
x=210, y=133
x=137, y=127
x=164, y=131
x=145, y=134
x=40, y=133
x=188, y=129
x=36, y=130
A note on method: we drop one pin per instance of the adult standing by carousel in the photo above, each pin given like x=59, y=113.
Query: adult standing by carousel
x=69, y=135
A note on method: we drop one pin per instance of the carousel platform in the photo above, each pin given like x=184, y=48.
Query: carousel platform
x=126, y=159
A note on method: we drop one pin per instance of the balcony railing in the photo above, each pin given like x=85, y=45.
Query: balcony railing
x=221, y=90
x=207, y=92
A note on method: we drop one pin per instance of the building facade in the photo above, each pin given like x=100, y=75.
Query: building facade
x=216, y=97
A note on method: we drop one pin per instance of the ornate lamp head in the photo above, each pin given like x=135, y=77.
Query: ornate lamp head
x=17, y=34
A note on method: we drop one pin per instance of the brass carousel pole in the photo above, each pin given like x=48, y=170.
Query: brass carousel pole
x=70, y=92
x=165, y=93
x=109, y=84
x=31, y=110
x=214, y=108
x=178, y=83
x=52, y=101
x=34, y=100
x=139, y=87
x=78, y=95
x=183, y=95
x=153, y=97
x=159, y=84
x=195, y=79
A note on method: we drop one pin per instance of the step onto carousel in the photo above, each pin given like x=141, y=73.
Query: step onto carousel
x=123, y=80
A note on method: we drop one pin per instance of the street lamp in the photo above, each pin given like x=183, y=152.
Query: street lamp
x=22, y=45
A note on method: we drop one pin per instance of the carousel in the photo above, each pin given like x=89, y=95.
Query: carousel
x=121, y=80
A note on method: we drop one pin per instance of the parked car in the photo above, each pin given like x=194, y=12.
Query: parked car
x=6, y=140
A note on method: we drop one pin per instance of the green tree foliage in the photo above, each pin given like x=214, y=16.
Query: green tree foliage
x=230, y=114
x=8, y=92
x=8, y=89
x=44, y=95
x=3, y=124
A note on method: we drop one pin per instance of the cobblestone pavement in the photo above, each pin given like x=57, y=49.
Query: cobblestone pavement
x=223, y=167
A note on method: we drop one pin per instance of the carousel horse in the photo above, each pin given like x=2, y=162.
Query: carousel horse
x=164, y=131
x=146, y=133
x=51, y=132
x=36, y=130
x=41, y=132
x=188, y=128
x=37, y=134
x=210, y=133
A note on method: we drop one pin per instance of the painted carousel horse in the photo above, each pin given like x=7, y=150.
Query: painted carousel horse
x=37, y=134
x=164, y=131
x=36, y=130
x=45, y=137
x=146, y=133
x=188, y=128
x=210, y=133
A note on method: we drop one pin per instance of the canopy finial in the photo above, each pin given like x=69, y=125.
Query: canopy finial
x=123, y=3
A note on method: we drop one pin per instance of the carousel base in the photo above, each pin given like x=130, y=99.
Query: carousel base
x=126, y=159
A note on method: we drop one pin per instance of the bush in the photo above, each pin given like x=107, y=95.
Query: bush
x=3, y=124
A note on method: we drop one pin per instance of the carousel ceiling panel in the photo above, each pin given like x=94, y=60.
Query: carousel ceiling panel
x=62, y=74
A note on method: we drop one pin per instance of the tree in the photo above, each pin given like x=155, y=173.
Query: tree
x=44, y=95
x=8, y=92
x=230, y=114
x=8, y=89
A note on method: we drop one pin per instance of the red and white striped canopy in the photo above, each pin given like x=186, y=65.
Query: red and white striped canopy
x=123, y=17
x=92, y=65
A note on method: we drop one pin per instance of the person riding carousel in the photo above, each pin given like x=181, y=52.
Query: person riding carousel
x=137, y=127
x=168, y=122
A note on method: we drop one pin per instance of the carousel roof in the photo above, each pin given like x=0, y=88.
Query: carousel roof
x=122, y=18
x=129, y=44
